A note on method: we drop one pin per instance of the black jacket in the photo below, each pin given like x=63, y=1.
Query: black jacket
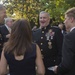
x=4, y=32
x=51, y=56
x=67, y=66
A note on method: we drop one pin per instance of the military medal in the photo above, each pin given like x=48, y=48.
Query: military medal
x=47, y=36
x=50, y=45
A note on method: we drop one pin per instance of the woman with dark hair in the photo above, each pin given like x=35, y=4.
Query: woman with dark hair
x=20, y=53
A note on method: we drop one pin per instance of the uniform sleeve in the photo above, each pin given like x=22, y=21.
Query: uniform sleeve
x=59, y=42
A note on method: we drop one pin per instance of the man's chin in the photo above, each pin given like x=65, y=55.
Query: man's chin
x=43, y=25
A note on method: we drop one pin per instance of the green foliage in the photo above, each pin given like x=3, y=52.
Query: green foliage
x=30, y=9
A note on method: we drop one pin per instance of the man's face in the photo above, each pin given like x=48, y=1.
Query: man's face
x=3, y=14
x=9, y=23
x=67, y=23
x=44, y=20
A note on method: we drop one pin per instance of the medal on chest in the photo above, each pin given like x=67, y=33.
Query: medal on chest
x=49, y=36
x=50, y=45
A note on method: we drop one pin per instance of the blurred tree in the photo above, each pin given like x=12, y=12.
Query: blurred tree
x=30, y=9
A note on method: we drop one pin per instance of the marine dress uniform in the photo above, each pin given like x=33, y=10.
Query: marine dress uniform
x=50, y=41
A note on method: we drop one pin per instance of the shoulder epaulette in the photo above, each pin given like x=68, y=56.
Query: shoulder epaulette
x=36, y=29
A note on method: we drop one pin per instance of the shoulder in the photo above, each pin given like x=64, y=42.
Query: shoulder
x=71, y=34
x=2, y=27
x=37, y=30
x=57, y=32
x=56, y=29
x=33, y=44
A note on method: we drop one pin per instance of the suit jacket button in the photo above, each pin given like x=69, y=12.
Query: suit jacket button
x=41, y=37
x=42, y=31
x=54, y=60
x=42, y=56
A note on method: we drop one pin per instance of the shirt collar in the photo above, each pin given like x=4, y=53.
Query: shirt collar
x=72, y=29
x=6, y=26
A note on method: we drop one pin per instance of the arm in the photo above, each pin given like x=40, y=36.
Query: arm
x=39, y=62
x=3, y=64
x=8, y=35
x=59, y=41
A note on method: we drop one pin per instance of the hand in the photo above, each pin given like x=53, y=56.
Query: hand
x=55, y=69
x=8, y=35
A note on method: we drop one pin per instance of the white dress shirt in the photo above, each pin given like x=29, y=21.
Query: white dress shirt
x=9, y=29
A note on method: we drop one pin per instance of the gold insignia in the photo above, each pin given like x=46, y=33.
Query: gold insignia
x=50, y=45
x=50, y=34
x=42, y=31
x=45, y=28
x=41, y=37
x=41, y=43
x=41, y=49
x=42, y=56
x=50, y=31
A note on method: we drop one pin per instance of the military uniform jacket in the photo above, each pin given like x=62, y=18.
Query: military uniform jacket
x=50, y=41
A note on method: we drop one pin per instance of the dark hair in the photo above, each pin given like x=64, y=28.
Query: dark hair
x=20, y=39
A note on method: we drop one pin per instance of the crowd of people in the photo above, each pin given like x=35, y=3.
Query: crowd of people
x=47, y=50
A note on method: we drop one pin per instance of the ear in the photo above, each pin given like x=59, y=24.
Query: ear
x=72, y=19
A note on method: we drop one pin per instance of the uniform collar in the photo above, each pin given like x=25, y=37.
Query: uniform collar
x=47, y=27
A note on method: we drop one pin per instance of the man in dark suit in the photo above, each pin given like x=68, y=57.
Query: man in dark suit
x=6, y=29
x=67, y=65
x=2, y=16
x=49, y=40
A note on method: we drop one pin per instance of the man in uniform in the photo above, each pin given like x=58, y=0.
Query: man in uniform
x=49, y=40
